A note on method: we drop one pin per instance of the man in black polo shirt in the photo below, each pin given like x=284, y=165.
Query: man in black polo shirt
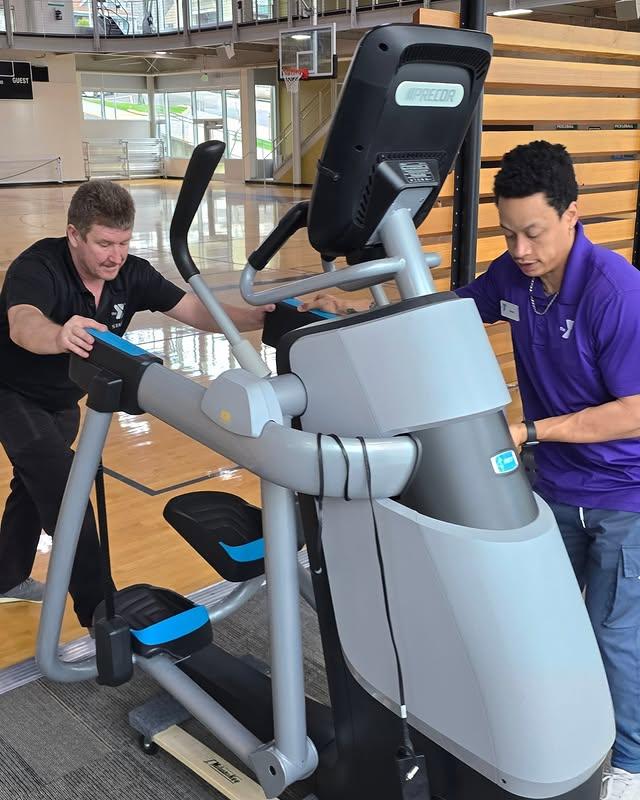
x=52, y=293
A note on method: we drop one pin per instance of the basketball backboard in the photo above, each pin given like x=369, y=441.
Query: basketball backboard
x=311, y=48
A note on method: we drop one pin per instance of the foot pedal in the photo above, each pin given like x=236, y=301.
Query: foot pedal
x=224, y=529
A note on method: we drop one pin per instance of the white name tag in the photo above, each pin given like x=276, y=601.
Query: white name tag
x=510, y=310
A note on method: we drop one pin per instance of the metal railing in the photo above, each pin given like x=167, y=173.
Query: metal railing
x=313, y=116
x=124, y=158
x=115, y=19
x=112, y=18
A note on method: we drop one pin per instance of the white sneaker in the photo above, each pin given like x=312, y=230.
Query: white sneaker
x=618, y=784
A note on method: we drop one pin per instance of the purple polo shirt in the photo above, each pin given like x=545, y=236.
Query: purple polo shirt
x=585, y=351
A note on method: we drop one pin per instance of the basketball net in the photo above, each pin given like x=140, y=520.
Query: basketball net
x=292, y=76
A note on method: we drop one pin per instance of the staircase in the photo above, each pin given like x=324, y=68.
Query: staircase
x=315, y=117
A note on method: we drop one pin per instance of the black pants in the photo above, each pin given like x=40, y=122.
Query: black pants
x=38, y=444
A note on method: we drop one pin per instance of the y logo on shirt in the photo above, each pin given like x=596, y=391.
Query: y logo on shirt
x=118, y=313
x=566, y=332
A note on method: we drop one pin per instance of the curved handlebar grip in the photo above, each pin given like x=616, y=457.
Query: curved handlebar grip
x=293, y=220
x=202, y=164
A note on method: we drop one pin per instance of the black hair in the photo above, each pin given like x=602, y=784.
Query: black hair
x=538, y=167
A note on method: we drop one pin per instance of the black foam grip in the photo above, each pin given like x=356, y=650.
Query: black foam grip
x=202, y=164
x=293, y=220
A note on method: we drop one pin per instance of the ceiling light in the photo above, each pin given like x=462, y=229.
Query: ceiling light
x=301, y=36
x=161, y=52
x=512, y=11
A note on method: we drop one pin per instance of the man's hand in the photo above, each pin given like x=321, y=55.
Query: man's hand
x=73, y=336
x=333, y=304
x=249, y=318
x=518, y=431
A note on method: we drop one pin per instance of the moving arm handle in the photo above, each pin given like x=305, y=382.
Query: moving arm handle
x=293, y=220
x=202, y=165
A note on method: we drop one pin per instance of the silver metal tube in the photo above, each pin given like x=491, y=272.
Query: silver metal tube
x=285, y=636
x=398, y=234
x=65, y=540
x=291, y=394
x=214, y=307
x=177, y=401
x=306, y=586
x=8, y=22
x=186, y=21
x=374, y=271
x=379, y=295
x=243, y=350
x=236, y=598
x=96, y=30
x=211, y=714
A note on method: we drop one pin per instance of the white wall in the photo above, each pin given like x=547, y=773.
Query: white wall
x=51, y=123
x=93, y=129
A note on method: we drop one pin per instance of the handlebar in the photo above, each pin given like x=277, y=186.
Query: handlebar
x=293, y=220
x=202, y=165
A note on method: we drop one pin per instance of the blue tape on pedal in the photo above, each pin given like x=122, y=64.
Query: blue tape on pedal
x=118, y=342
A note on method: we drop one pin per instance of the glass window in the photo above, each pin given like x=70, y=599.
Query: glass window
x=92, y=105
x=115, y=105
x=131, y=105
x=233, y=124
x=182, y=136
x=109, y=105
x=265, y=120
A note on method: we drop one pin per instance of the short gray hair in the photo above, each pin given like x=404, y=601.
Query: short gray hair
x=101, y=202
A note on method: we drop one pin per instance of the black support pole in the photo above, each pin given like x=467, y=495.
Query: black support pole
x=466, y=195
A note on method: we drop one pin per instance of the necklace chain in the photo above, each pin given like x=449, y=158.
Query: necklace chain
x=533, y=302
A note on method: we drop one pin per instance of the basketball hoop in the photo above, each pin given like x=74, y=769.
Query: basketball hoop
x=292, y=77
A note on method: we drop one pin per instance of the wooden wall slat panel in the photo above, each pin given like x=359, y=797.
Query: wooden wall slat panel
x=506, y=109
x=590, y=205
x=524, y=35
x=496, y=143
x=506, y=72
x=598, y=173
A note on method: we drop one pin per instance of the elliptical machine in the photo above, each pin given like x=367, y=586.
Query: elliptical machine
x=451, y=623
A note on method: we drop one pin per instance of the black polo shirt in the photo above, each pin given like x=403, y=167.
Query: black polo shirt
x=44, y=276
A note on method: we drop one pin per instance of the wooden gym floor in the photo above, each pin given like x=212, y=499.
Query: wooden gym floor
x=149, y=461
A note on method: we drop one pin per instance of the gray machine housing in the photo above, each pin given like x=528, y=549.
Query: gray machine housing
x=499, y=659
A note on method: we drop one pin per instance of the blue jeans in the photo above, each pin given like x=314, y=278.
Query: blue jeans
x=604, y=548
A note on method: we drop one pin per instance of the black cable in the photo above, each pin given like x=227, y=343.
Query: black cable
x=406, y=737
x=345, y=455
x=318, y=555
x=103, y=532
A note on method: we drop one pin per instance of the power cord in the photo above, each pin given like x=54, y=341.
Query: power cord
x=412, y=772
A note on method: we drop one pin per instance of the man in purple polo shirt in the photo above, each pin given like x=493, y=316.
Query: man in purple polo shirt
x=574, y=312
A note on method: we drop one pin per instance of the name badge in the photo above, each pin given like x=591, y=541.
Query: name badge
x=510, y=310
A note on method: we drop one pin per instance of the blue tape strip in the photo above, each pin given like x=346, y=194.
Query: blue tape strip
x=293, y=301
x=118, y=342
x=172, y=628
x=243, y=553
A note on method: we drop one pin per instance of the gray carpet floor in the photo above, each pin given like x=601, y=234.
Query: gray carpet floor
x=73, y=741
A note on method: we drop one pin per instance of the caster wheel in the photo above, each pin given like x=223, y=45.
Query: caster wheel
x=148, y=746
